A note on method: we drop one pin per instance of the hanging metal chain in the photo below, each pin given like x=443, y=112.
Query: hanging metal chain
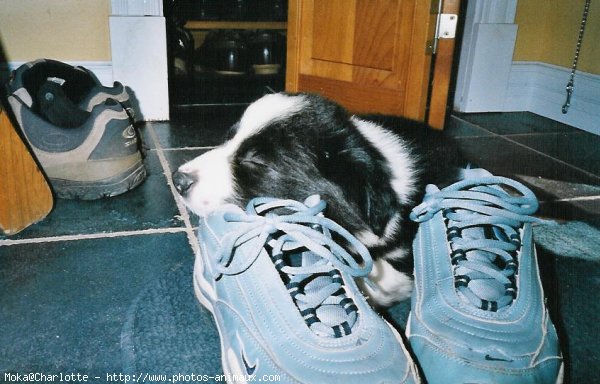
x=571, y=84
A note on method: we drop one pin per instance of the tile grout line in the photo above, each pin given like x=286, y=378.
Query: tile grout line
x=98, y=235
x=544, y=134
x=189, y=229
x=475, y=125
x=515, y=134
x=535, y=150
x=472, y=125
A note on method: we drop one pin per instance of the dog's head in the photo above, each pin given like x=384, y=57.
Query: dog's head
x=295, y=145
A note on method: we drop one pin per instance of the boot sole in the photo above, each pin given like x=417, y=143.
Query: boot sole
x=97, y=189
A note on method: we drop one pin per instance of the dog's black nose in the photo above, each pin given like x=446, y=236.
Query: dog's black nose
x=183, y=181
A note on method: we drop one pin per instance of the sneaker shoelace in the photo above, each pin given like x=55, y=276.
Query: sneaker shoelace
x=308, y=260
x=484, y=223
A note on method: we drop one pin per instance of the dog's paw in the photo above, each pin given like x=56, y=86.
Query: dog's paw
x=385, y=285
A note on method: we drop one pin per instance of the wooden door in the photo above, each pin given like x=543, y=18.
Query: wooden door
x=370, y=55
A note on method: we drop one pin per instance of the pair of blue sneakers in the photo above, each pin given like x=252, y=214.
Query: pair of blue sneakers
x=283, y=295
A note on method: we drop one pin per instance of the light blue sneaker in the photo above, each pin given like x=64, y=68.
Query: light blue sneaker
x=477, y=311
x=284, y=300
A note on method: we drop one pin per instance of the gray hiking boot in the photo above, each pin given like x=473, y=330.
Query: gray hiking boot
x=99, y=158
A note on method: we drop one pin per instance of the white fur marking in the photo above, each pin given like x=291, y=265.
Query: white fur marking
x=395, y=152
x=215, y=181
x=387, y=285
x=213, y=170
x=268, y=108
x=392, y=226
x=369, y=239
x=396, y=254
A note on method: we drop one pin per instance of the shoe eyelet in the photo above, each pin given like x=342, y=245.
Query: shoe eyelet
x=129, y=132
x=457, y=256
x=491, y=306
x=461, y=281
x=336, y=277
x=516, y=240
x=511, y=290
x=512, y=265
x=452, y=233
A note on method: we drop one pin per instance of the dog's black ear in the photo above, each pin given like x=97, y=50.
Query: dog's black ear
x=350, y=161
x=381, y=203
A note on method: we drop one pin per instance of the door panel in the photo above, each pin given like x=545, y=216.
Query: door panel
x=371, y=56
x=368, y=48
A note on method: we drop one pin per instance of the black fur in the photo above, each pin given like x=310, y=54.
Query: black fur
x=319, y=150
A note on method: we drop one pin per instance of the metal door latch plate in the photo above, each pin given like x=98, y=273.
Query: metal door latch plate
x=447, y=26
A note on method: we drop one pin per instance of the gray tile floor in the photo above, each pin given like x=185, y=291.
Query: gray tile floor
x=104, y=286
x=561, y=163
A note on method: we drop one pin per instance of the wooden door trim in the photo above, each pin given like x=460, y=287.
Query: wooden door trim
x=419, y=67
x=442, y=72
x=293, y=46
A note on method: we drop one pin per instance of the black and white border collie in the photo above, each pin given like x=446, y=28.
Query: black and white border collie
x=371, y=170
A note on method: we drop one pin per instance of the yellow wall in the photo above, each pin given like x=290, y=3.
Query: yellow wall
x=548, y=31
x=74, y=30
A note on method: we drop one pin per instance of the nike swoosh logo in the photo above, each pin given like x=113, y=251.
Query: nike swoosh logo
x=490, y=358
x=249, y=368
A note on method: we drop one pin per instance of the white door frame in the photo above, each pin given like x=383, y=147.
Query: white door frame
x=486, y=55
x=139, y=54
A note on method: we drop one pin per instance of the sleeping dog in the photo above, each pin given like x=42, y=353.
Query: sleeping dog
x=371, y=170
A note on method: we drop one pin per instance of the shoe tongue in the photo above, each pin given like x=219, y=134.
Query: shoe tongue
x=474, y=173
x=330, y=312
x=308, y=259
x=470, y=233
x=482, y=285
